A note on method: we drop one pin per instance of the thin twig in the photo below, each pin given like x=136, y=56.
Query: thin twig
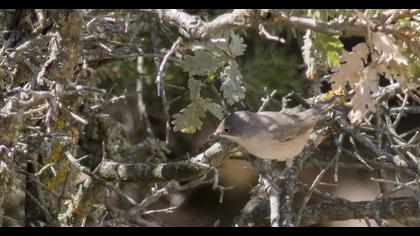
x=367, y=142
x=40, y=79
x=50, y=220
x=140, y=93
x=316, y=181
x=263, y=31
x=159, y=81
x=357, y=155
x=266, y=100
x=273, y=198
x=166, y=210
x=160, y=72
x=44, y=168
x=170, y=188
x=401, y=112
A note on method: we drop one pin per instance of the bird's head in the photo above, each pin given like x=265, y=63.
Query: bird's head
x=233, y=126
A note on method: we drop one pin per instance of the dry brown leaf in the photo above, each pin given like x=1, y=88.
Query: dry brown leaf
x=351, y=70
x=393, y=64
x=387, y=49
x=362, y=101
x=400, y=73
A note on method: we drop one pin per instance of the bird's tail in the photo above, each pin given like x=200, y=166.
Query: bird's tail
x=333, y=99
x=325, y=102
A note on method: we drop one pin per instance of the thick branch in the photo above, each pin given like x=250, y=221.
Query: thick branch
x=244, y=18
x=180, y=171
x=391, y=208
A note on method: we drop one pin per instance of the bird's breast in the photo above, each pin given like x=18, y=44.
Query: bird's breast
x=267, y=148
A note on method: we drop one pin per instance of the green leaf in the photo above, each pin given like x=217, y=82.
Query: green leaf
x=333, y=58
x=323, y=14
x=415, y=68
x=212, y=78
x=195, y=87
x=188, y=120
x=232, y=87
x=330, y=47
x=372, y=12
x=403, y=22
x=314, y=13
x=215, y=49
x=236, y=46
x=202, y=63
x=213, y=108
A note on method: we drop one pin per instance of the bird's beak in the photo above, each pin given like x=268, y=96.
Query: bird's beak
x=214, y=136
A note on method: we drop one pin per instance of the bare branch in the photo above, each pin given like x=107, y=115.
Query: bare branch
x=317, y=180
x=367, y=142
x=244, y=18
x=391, y=208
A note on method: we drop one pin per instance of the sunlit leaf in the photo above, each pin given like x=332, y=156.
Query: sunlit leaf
x=195, y=87
x=201, y=63
x=188, y=120
x=330, y=47
x=232, y=87
x=236, y=46
x=308, y=51
x=351, y=69
x=212, y=107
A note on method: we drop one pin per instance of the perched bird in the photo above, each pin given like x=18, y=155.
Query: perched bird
x=270, y=135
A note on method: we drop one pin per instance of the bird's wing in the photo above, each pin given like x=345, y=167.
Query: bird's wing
x=284, y=127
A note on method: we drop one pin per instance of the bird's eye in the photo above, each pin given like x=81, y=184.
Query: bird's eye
x=226, y=130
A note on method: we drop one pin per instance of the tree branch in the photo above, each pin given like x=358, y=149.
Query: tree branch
x=245, y=18
x=391, y=208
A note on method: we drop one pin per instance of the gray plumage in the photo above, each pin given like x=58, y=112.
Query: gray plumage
x=270, y=135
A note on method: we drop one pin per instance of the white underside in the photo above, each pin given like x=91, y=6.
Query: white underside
x=275, y=150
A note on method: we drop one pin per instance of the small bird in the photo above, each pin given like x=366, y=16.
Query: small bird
x=270, y=135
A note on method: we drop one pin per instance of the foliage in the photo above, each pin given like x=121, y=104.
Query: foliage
x=388, y=57
x=80, y=112
x=188, y=120
x=216, y=57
